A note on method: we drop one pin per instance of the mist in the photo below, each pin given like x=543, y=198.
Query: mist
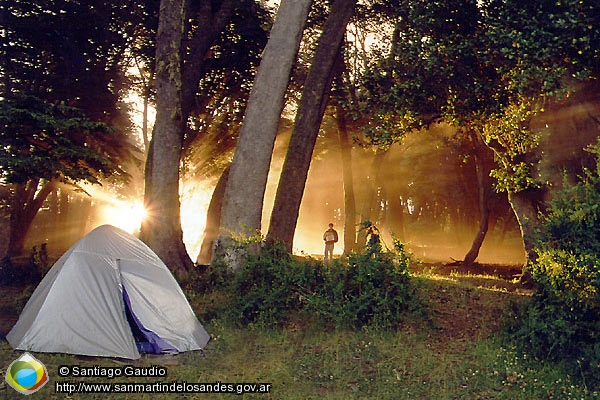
x=425, y=191
x=425, y=196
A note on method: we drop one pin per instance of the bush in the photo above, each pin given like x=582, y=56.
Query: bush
x=368, y=288
x=25, y=270
x=562, y=322
x=269, y=287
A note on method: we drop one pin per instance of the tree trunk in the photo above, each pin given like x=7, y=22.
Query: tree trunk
x=64, y=211
x=211, y=21
x=245, y=189
x=84, y=210
x=348, y=178
x=396, y=218
x=145, y=130
x=213, y=221
x=484, y=163
x=526, y=206
x=290, y=190
x=176, y=85
x=162, y=228
x=370, y=200
x=146, y=90
x=26, y=202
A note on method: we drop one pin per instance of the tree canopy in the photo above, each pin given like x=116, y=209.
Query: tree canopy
x=62, y=66
x=63, y=80
x=467, y=60
x=41, y=140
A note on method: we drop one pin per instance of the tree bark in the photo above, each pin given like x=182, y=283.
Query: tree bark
x=162, y=228
x=211, y=24
x=292, y=181
x=26, y=202
x=348, y=178
x=245, y=189
x=213, y=221
x=526, y=206
x=146, y=90
x=176, y=85
x=484, y=163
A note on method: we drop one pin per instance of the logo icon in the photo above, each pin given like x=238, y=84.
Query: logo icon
x=26, y=374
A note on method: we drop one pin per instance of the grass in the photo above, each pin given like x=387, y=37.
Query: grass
x=454, y=353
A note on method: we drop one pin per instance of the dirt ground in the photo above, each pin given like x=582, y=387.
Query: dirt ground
x=468, y=303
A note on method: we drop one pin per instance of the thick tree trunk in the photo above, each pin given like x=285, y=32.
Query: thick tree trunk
x=162, y=228
x=484, y=163
x=526, y=206
x=292, y=182
x=348, y=179
x=25, y=204
x=176, y=85
x=213, y=221
x=245, y=189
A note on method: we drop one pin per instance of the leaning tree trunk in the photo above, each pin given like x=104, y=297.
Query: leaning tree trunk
x=526, y=206
x=484, y=163
x=245, y=189
x=348, y=179
x=213, y=221
x=292, y=181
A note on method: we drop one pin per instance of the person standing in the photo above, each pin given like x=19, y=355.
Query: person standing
x=330, y=237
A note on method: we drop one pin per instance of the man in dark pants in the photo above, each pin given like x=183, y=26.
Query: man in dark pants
x=330, y=237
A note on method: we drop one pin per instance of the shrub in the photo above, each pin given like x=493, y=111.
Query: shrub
x=368, y=288
x=563, y=320
x=25, y=270
x=206, y=279
x=269, y=287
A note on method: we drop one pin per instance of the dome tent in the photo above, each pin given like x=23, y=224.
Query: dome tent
x=108, y=295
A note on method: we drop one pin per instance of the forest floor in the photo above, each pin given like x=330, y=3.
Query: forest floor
x=454, y=353
x=467, y=303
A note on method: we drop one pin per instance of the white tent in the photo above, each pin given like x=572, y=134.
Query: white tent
x=106, y=296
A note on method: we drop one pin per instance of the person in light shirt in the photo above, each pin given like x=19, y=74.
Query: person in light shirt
x=330, y=237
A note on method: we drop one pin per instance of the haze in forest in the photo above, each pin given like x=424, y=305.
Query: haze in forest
x=427, y=175
x=426, y=196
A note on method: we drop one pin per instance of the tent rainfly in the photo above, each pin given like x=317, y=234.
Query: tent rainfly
x=108, y=295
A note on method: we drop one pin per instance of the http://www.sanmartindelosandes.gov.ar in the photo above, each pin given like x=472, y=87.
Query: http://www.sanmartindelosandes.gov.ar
x=26, y=374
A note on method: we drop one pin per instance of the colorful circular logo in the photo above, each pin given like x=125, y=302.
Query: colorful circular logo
x=26, y=374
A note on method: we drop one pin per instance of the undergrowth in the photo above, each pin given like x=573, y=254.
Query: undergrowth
x=562, y=322
x=368, y=288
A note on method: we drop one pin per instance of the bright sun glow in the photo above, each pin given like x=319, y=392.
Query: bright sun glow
x=195, y=198
x=125, y=215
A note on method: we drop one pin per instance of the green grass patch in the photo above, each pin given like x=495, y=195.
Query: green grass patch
x=445, y=340
x=340, y=364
